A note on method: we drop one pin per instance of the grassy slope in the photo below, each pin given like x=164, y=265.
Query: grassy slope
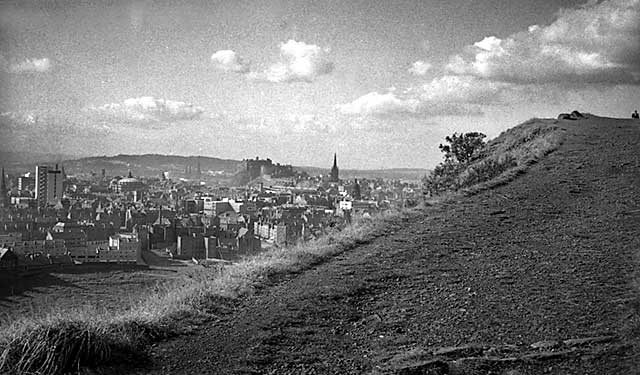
x=69, y=340
x=511, y=153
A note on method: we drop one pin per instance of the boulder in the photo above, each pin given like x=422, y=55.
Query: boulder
x=575, y=115
x=565, y=116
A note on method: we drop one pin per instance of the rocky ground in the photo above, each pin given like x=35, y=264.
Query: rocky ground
x=533, y=277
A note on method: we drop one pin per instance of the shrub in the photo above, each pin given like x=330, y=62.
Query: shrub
x=461, y=148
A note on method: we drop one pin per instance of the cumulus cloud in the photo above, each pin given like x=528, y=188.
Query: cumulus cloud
x=31, y=66
x=298, y=62
x=464, y=89
x=420, y=68
x=376, y=104
x=595, y=43
x=228, y=60
x=147, y=109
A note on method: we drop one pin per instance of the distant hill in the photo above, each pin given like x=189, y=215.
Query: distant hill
x=17, y=159
x=389, y=174
x=151, y=165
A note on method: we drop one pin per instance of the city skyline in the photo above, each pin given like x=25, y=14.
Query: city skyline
x=381, y=84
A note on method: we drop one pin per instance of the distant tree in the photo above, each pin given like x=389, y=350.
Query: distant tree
x=462, y=147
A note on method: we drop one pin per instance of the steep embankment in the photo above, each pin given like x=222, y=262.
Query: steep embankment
x=551, y=256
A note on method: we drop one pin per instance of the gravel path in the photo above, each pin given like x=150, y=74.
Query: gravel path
x=549, y=257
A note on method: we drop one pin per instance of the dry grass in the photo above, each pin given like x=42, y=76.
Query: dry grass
x=67, y=340
x=511, y=154
x=108, y=287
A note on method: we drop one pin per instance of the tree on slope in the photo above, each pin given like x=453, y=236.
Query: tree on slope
x=461, y=148
x=458, y=153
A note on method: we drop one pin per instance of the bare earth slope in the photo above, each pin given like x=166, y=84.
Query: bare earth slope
x=549, y=257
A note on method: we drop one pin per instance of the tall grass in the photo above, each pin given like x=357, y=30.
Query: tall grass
x=65, y=341
x=511, y=154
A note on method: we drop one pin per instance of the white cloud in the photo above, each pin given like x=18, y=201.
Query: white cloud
x=420, y=68
x=147, y=109
x=595, y=43
x=31, y=66
x=464, y=89
x=298, y=62
x=376, y=104
x=228, y=60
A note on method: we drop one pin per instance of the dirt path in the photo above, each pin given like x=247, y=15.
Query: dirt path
x=548, y=257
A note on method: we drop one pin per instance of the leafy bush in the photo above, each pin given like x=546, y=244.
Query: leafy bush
x=458, y=153
x=461, y=148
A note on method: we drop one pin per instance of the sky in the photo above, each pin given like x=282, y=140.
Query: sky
x=380, y=83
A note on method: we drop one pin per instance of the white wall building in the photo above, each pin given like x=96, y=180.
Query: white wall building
x=123, y=247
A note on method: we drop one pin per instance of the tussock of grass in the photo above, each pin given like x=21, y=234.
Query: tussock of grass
x=61, y=346
x=61, y=343
x=64, y=341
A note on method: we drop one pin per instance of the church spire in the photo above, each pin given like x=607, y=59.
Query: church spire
x=334, y=170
